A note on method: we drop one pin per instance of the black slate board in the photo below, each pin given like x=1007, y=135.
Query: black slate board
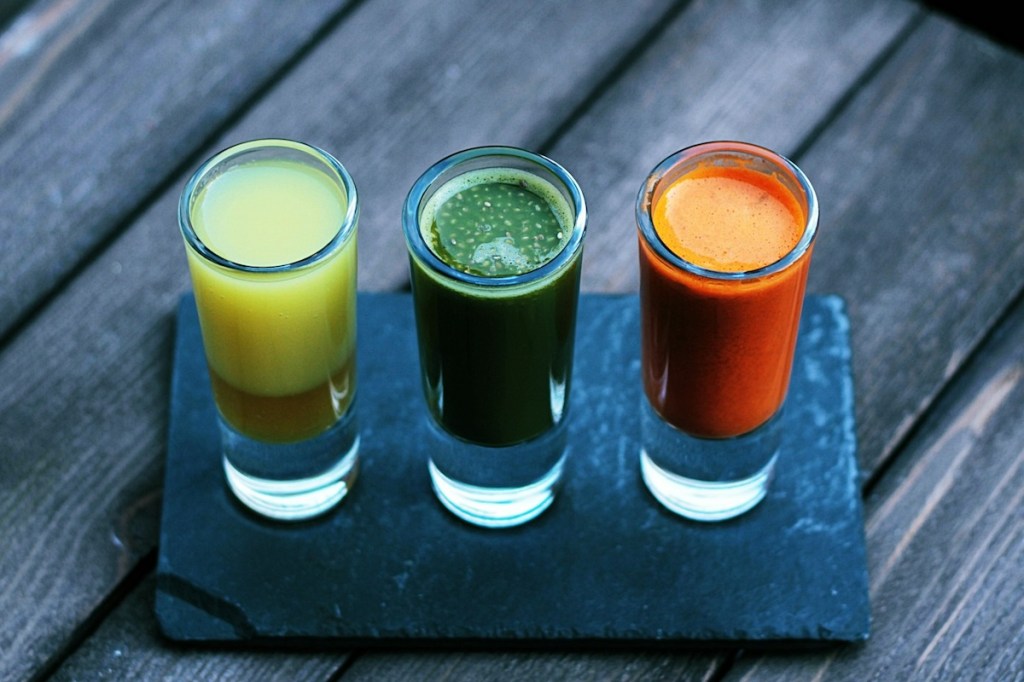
x=605, y=564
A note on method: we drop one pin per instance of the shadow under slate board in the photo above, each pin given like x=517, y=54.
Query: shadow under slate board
x=605, y=564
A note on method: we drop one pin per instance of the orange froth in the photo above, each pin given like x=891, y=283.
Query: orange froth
x=728, y=219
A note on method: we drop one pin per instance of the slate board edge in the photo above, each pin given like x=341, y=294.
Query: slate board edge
x=173, y=605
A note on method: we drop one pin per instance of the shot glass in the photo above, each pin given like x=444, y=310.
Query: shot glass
x=495, y=239
x=270, y=237
x=726, y=232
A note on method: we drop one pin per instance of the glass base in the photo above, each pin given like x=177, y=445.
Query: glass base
x=292, y=481
x=707, y=479
x=496, y=507
x=298, y=499
x=705, y=500
x=497, y=487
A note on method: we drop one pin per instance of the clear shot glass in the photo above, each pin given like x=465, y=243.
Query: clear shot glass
x=495, y=240
x=726, y=232
x=270, y=238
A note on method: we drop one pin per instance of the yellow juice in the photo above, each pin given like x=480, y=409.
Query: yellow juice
x=280, y=345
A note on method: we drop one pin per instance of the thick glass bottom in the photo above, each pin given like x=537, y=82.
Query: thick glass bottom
x=292, y=481
x=297, y=499
x=496, y=507
x=705, y=500
x=707, y=479
x=497, y=487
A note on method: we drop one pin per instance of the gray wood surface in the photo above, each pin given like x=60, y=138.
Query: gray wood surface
x=83, y=389
x=945, y=528
x=908, y=126
x=923, y=234
x=531, y=665
x=767, y=73
x=462, y=79
x=926, y=280
x=85, y=137
x=113, y=652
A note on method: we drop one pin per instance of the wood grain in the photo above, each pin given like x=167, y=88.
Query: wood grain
x=944, y=523
x=758, y=72
x=921, y=229
x=466, y=75
x=9, y=10
x=113, y=652
x=83, y=389
x=945, y=529
x=102, y=102
x=641, y=666
x=532, y=665
x=83, y=386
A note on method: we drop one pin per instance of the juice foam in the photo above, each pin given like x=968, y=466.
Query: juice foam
x=496, y=222
x=268, y=213
x=728, y=218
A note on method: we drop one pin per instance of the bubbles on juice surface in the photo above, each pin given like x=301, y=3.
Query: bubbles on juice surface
x=497, y=228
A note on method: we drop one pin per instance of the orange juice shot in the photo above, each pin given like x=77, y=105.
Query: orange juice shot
x=726, y=235
x=271, y=247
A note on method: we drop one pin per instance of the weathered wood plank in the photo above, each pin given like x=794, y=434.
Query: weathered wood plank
x=945, y=528
x=120, y=312
x=83, y=389
x=932, y=152
x=112, y=654
x=944, y=523
x=534, y=665
x=102, y=102
x=906, y=257
x=727, y=70
x=461, y=79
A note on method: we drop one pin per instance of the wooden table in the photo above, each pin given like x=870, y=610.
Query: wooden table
x=908, y=123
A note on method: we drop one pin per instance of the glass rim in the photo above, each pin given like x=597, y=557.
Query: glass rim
x=651, y=237
x=421, y=250
x=341, y=236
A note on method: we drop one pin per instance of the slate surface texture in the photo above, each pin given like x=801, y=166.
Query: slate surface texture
x=604, y=565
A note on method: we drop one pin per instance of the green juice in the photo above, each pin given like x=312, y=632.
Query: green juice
x=497, y=354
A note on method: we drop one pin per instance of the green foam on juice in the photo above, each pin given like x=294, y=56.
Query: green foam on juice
x=497, y=222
